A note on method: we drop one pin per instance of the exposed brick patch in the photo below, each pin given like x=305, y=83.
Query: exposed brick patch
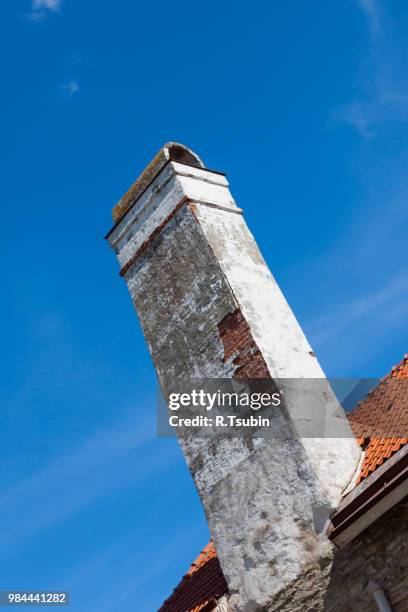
x=241, y=347
x=193, y=208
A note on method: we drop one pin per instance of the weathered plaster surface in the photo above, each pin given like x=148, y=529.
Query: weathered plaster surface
x=332, y=451
x=222, y=605
x=260, y=498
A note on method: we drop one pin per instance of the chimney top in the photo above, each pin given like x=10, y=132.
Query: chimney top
x=171, y=151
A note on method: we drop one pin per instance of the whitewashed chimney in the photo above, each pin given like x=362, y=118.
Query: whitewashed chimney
x=208, y=306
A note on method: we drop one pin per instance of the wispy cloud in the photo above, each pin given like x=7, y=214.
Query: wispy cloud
x=69, y=85
x=388, y=304
x=79, y=464
x=69, y=88
x=362, y=282
x=361, y=286
x=383, y=85
x=360, y=302
x=41, y=8
x=374, y=15
x=118, y=595
x=50, y=5
x=107, y=459
x=151, y=564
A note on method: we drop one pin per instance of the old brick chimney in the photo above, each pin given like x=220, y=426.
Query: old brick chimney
x=210, y=308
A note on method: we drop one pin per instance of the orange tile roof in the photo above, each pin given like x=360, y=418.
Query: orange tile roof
x=201, y=587
x=380, y=421
x=382, y=413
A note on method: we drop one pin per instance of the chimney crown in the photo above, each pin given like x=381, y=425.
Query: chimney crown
x=171, y=151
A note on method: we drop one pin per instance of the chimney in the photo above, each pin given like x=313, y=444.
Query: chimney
x=210, y=308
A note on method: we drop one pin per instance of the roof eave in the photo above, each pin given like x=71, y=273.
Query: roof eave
x=374, y=496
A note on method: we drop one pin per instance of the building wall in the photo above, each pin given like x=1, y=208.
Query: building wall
x=380, y=553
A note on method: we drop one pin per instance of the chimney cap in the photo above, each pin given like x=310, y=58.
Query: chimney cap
x=182, y=154
x=171, y=151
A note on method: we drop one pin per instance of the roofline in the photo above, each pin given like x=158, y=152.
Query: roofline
x=376, y=494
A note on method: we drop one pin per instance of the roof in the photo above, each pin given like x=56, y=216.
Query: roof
x=379, y=423
x=201, y=587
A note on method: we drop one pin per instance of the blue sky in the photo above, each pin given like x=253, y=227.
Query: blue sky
x=305, y=106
